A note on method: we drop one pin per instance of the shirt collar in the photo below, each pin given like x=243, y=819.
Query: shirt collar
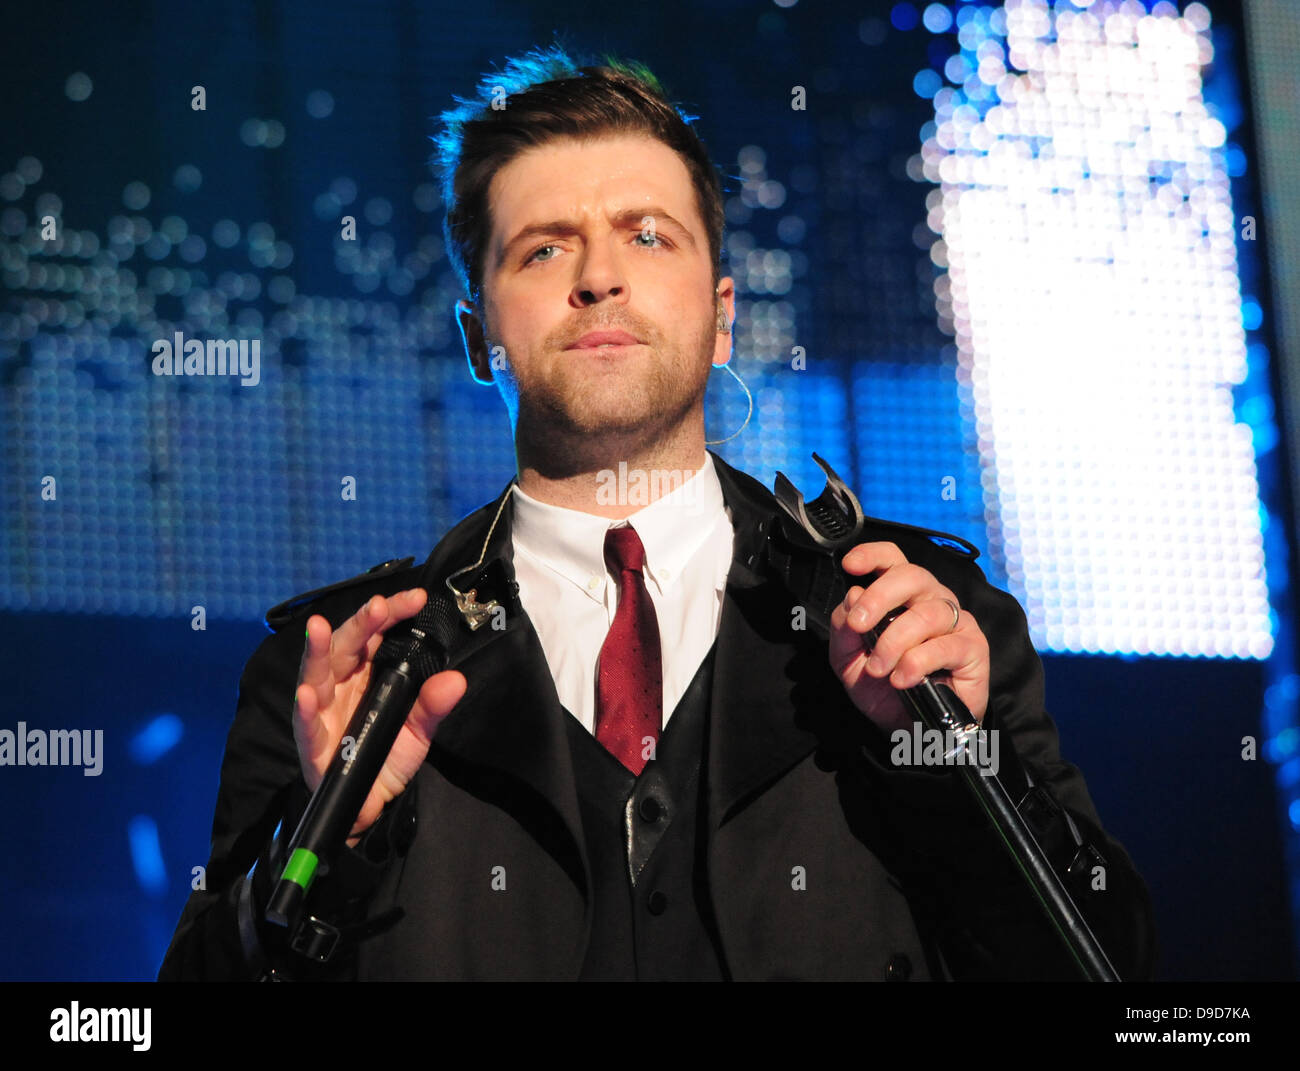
x=572, y=543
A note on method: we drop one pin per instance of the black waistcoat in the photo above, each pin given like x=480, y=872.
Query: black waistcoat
x=653, y=917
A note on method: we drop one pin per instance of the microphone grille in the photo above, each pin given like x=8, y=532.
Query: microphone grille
x=423, y=641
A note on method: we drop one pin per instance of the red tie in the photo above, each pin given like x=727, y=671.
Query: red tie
x=630, y=688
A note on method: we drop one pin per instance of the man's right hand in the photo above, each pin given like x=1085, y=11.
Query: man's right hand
x=332, y=678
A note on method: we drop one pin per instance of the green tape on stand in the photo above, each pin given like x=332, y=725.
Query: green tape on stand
x=302, y=868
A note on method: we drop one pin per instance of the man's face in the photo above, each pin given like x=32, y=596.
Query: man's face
x=587, y=237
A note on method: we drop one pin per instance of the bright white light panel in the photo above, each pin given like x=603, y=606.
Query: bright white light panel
x=1087, y=231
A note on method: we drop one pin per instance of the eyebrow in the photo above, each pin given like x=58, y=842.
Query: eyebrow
x=621, y=220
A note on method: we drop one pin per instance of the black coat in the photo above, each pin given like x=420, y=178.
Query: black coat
x=902, y=875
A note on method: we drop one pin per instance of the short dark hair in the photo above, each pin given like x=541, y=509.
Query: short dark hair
x=548, y=96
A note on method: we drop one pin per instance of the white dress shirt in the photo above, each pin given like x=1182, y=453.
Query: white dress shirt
x=571, y=597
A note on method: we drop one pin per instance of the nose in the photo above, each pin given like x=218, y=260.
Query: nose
x=600, y=274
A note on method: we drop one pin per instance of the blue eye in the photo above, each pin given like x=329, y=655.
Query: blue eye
x=533, y=255
x=650, y=234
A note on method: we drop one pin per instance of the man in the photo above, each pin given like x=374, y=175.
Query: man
x=642, y=764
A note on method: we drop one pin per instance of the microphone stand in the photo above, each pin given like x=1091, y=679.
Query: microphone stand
x=834, y=521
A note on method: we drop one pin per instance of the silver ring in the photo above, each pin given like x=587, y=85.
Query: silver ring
x=956, y=615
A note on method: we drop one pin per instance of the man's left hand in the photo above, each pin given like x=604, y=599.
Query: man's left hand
x=920, y=642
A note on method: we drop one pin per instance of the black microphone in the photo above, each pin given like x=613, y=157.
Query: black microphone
x=411, y=652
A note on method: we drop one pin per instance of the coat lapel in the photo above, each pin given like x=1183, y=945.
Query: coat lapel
x=510, y=720
x=754, y=736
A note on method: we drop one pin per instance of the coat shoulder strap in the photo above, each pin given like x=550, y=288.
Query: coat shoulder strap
x=280, y=614
x=944, y=540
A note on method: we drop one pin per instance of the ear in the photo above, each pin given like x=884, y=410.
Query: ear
x=726, y=294
x=476, y=348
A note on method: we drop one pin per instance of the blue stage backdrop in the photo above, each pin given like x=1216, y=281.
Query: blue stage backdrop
x=1002, y=265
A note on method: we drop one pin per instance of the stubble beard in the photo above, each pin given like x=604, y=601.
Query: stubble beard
x=586, y=413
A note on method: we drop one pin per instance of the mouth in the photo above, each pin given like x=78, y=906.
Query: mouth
x=604, y=347
x=605, y=340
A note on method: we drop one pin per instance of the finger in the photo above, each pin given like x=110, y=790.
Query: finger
x=873, y=557
x=902, y=585
x=370, y=812
x=314, y=670
x=847, y=649
x=963, y=657
x=941, y=654
x=926, y=620
x=355, y=640
x=311, y=735
x=399, y=607
x=403, y=605
x=348, y=646
x=437, y=698
x=847, y=656
x=841, y=612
